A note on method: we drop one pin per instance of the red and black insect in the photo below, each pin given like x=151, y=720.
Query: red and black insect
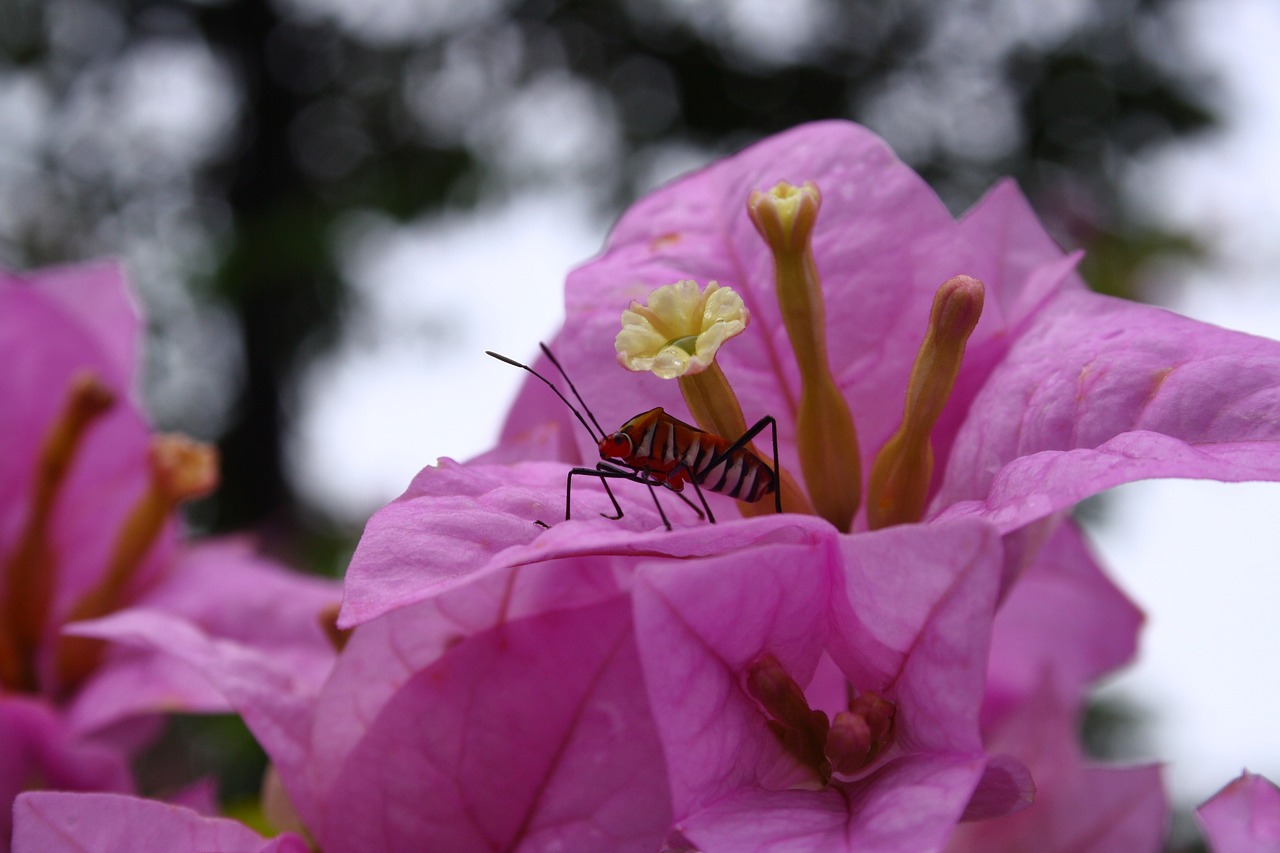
x=657, y=449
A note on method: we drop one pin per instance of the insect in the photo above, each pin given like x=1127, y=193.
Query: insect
x=656, y=449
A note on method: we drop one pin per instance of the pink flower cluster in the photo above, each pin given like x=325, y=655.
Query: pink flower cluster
x=87, y=528
x=763, y=683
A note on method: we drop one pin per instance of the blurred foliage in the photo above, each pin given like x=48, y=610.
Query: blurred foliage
x=194, y=748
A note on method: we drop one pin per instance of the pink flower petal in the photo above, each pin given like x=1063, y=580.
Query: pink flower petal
x=920, y=601
x=276, y=611
x=534, y=733
x=386, y=652
x=97, y=298
x=35, y=744
x=1064, y=617
x=1012, y=250
x=59, y=822
x=907, y=806
x=904, y=611
x=459, y=522
x=1100, y=392
x=267, y=693
x=43, y=345
x=1244, y=817
x=703, y=623
x=1078, y=805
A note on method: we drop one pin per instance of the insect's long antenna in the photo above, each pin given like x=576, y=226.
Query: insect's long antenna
x=547, y=382
x=547, y=351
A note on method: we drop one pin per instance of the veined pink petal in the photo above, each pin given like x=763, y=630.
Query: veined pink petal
x=35, y=743
x=1244, y=817
x=917, y=617
x=907, y=806
x=275, y=610
x=533, y=734
x=386, y=652
x=60, y=822
x=1078, y=805
x=1064, y=620
x=704, y=622
x=1143, y=393
x=274, y=702
x=460, y=522
x=1011, y=251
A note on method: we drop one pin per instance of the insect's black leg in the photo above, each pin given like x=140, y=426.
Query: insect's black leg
x=604, y=481
x=777, y=471
x=640, y=475
x=593, y=472
x=661, y=514
x=710, y=516
x=690, y=504
x=744, y=440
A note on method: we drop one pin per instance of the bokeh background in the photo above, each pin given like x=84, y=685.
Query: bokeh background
x=332, y=207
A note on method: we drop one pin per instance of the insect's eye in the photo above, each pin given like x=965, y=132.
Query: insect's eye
x=617, y=445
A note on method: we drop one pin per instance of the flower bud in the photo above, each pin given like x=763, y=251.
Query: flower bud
x=860, y=735
x=801, y=731
x=898, y=487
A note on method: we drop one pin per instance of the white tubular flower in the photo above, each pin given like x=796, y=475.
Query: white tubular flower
x=680, y=329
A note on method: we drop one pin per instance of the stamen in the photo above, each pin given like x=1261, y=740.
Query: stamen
x=898, y=487
x=181, y=470
x=30, y=571
x=827, y=441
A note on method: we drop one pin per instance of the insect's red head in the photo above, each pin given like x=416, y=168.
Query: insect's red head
x=616, y=446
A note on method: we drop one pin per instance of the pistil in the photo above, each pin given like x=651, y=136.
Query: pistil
x=898, y=487
x=30, y=570
x=826, y=439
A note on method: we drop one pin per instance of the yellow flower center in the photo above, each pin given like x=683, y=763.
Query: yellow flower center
x=681, y=328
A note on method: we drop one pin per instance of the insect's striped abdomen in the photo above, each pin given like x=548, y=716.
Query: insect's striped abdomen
x=659, y=444
x=741, y=474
